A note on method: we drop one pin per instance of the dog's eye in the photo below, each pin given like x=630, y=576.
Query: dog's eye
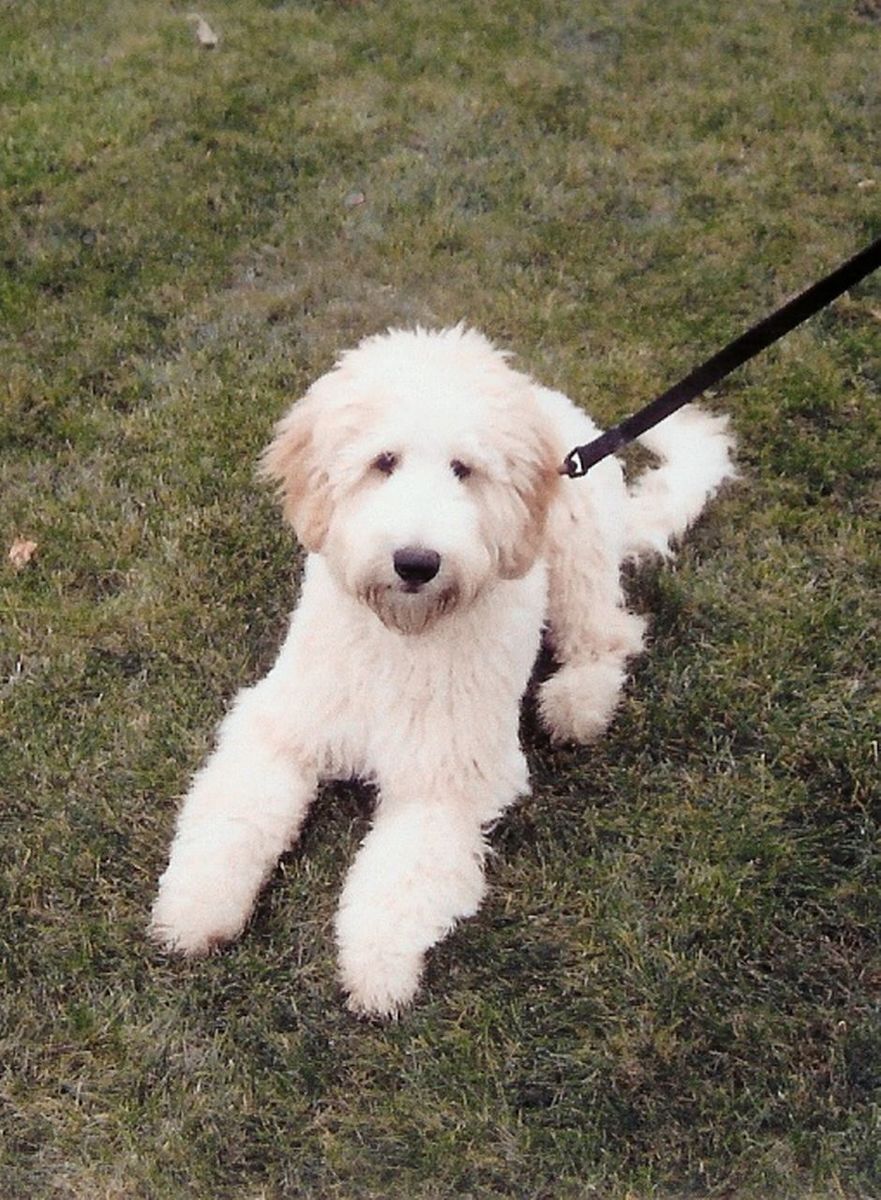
x=385, y=463
x=459, y=469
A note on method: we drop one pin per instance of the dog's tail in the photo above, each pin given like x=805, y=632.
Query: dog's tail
x=695, y=452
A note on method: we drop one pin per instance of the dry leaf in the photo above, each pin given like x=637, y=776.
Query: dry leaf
x=21, y=552
x=876, y=313
x=865, y=184
x=205, y=35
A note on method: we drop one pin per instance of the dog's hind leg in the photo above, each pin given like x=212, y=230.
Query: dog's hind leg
x=591, y=632
x=245, y=807
x=418, y=872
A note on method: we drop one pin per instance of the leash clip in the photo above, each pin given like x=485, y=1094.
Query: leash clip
x=572, y=465
x=579, y=461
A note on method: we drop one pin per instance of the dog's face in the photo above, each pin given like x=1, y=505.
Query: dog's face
x=422, y=469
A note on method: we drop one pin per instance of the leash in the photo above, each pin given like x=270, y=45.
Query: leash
x=757, y=338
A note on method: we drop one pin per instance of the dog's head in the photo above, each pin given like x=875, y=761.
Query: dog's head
x=422, y=468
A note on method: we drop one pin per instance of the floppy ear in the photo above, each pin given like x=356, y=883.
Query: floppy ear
x=534, y=477
x=293, y=463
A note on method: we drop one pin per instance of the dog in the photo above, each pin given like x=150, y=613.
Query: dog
x=422, y=476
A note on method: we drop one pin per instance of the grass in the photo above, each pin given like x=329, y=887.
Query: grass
x=674, y=988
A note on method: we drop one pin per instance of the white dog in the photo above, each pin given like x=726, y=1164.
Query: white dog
x=421, y=475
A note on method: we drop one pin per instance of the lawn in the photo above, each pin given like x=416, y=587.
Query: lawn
x=674, y=987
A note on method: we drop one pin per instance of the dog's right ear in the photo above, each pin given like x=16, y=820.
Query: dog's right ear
x=292, y=462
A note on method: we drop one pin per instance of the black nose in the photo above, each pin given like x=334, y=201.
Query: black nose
x=415, y=565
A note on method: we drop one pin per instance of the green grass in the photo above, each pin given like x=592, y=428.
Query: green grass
x=674, y=989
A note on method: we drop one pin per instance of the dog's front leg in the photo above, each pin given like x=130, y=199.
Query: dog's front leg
x=419, y=870
x=244, y=808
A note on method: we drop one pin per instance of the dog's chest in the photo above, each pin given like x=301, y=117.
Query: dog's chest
x=377, y=700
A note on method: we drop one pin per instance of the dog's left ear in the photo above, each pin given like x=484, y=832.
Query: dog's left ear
x=534, y=475
x=293, y=462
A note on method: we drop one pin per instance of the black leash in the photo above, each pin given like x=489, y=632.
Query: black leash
x=784, y=319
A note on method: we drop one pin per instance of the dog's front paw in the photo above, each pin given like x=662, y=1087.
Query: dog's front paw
x=194, y=916
x=378, y=981
x=576, y=704
x=380, y=956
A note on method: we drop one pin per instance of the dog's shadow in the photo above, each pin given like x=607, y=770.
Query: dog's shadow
x=532, y=732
